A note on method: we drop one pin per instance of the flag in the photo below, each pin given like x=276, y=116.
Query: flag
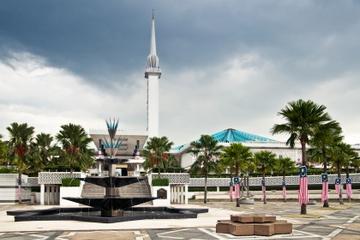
x=337, y=185
x=348, y=188
x=237, y=191
x=303, y=195
x=325, y=191
x=325, y=187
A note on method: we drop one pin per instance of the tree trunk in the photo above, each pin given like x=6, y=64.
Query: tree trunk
x=284, y=197
x=326, y=202
x=340, y=187
x=264, y=188
x=303, y=156
x=231, y=178
x=237, y=175
x=205, y=189
x=19, y=187
x=247, y=186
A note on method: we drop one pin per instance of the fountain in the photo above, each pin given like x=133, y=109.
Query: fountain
x=111, y=198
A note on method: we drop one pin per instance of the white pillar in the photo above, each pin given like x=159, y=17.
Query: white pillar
x=42, y=191
x=186, y=194
x=153, y=105
x=182, y=194
x=178, y=194
x=171, y=194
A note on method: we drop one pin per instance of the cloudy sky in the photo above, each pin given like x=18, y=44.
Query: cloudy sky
x=225, y=63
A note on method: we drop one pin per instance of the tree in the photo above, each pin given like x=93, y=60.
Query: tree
x=302, y=119
x=236, y=157
x=265, y=161
x=284, y=166
x=156, y=153
x=42, y=151
x=325, y=136
x=3, y=152
x=341, y=156
x=206, y=151
x=19, y=144
x=75, y=151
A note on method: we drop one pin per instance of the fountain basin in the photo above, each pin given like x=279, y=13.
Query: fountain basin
x=94, y=214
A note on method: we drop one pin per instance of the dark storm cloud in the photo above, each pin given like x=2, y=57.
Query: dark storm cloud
x=103, y=40
x=297, y=49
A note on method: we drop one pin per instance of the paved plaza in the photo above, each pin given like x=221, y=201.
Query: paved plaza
x=336, y=222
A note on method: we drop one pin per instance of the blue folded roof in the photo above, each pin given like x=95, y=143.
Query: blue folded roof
x=229, y=135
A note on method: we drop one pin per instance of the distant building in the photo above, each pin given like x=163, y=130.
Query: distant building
x=256, y=143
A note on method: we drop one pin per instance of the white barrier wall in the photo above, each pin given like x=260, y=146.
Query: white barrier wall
x=9, y=189
x=161, y=202
x=69, y=192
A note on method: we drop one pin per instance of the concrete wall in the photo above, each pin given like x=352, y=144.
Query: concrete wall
x=9, y=189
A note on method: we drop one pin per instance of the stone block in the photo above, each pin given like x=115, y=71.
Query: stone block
x=241, y=229
x=264, y=229
x=282, y=227
x=223, y=226
x=244, y=218
x=264, y=219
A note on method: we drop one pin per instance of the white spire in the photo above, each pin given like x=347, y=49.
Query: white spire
x=152, y=64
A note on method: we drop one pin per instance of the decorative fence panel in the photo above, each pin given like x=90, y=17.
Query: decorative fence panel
x=271, y=181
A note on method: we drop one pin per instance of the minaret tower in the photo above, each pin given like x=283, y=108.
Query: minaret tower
x=152, y=75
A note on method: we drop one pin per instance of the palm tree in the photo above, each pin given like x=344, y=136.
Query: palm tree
x=19, y=144
x=42, y=152
x=207, y=151
x=75, y=151
x=156, y=153
x=302, y=119
x=341, y=155
x=265, y=161
x=3, y=152
x=324, y=137
x=235, y=157
x=284, y=166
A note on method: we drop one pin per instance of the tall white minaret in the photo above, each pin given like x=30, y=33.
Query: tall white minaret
x=152, y=74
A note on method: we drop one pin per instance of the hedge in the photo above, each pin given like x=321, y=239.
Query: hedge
x=70, y=182
x=160, y=182
x=7, y=170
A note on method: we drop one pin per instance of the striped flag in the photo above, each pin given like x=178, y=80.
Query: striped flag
x=348, y=188
x=303, y=190
x=325, y=191
x=237, y=191
x=325, y=187
x=303, y=195
x=337, y=185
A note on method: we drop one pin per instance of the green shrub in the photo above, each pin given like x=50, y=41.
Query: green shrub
x=70, y=182
x=7, y=170
x=160, y=182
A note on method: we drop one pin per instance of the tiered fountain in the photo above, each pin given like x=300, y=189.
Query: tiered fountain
x=111, y=198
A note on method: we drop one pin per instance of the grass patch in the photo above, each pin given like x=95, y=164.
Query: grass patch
x=160, y=182
x=70, y=182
